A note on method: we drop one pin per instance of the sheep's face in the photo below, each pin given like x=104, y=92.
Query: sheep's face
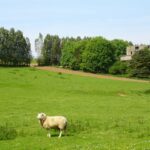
x=41, y=116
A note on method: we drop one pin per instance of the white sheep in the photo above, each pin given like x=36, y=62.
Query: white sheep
x=51, y=122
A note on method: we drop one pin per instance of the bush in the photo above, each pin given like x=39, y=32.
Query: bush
x=7, y=133
x=118, y=68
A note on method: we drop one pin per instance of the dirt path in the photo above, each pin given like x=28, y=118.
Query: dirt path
x=66, y=71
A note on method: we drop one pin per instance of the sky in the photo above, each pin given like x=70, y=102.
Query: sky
x=121, y=19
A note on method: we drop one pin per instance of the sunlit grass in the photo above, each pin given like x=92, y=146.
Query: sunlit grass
x=102, y=113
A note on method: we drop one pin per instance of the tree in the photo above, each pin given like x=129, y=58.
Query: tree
x=67, y=54
x=72, y=53
x=14, y=49
x=39, y=45
x=120, y=47
x=55, y=51
x=46, y=50
x=51, y=51
x=28, y=49
x=140, y=64
x=98, y=55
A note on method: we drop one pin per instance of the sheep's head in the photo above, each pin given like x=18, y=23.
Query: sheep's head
x=41, y=116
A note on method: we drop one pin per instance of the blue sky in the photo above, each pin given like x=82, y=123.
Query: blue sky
x=123, y=19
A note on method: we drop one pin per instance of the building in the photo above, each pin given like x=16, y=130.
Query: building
x=131, y=50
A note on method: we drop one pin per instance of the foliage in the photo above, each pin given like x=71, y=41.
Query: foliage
x=71, y=53
x=93, y=54
x=15, y=49
x=51, y=51
x=98, y=55
x=118, y=68
x=140, y=64
x=119, y=47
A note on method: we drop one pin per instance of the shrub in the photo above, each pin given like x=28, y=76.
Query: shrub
x=7, y=133
x=118, y=68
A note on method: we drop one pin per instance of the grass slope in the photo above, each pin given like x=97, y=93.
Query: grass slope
x=103, y=114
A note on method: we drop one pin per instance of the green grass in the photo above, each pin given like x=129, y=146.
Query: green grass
x=103, y=114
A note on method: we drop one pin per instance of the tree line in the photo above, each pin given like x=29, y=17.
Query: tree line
x=95, y=54
x=91, y=54
x=15, y=49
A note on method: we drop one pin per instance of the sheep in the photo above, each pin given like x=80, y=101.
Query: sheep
x=51, y=122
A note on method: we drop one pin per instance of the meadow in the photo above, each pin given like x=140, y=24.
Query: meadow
x=103, y=114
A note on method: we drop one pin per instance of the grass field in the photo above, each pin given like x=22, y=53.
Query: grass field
x=103, y=114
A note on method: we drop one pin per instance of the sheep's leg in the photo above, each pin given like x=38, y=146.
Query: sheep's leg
x=60, y=133
x=49, y=135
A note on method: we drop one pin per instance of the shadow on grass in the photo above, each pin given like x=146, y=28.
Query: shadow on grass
x=63, y=135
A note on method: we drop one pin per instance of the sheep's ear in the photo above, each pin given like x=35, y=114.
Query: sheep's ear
x=43, y=114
